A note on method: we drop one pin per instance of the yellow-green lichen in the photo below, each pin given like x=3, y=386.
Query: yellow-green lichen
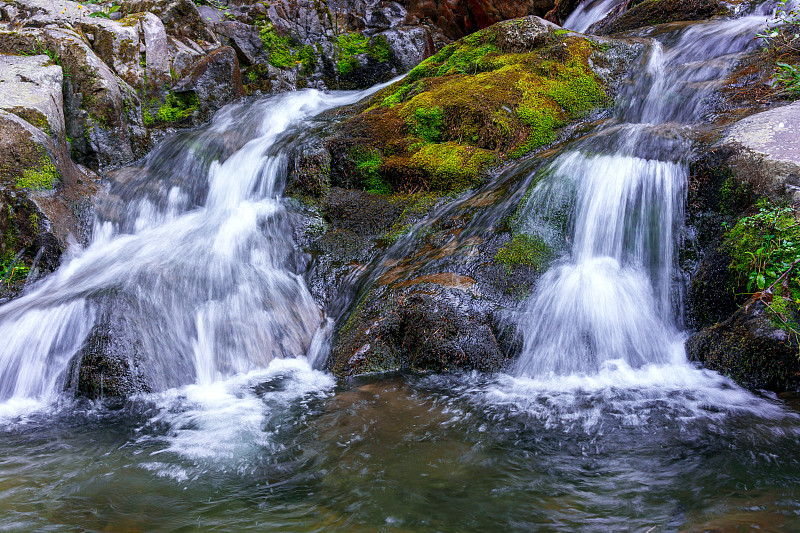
x=40, y=177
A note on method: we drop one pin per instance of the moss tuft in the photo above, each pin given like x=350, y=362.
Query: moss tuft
x=41, y=177
x=527, y=250
x=368, y=163
x=177, y=106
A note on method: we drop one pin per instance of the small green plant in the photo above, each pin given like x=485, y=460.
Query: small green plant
x=789, y=75
x=782, y=37
x=106, y=14
x=13, y=270
x=176, y=107
x=763, y=246
x=368, y=163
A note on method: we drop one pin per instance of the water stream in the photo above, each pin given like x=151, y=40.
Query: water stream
x=601, y=425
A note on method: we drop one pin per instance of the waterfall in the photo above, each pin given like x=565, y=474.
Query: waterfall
x=618, y=198
x=191, y=260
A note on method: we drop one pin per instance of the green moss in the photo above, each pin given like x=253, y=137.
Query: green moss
x=40, y=177
x=278, y=47
x=33, y=117
x=350, y=45
x=368, y=163
x=452, y=167
x=428, y=123
x=379, y=49
x=177, y=106
x=524, y=250
x=308, y=59
x=148, y=118
x=478, y=102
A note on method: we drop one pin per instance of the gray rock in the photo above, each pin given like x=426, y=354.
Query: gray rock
x=410, y=45
x=209, y=14
x=183, y=56
x=157, y=53
x=767, y=151
x=243, y=38
x=216, y=80
x=31, y=88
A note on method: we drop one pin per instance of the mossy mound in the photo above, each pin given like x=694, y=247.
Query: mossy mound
x=496, y=94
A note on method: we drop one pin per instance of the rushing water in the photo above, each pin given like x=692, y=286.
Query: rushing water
x=603, y=425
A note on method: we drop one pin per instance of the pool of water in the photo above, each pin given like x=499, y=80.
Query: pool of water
x=290, y=449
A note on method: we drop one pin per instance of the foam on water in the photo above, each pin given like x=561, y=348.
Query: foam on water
x=224, y=425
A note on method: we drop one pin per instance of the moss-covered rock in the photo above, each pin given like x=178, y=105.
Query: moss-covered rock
x=494, y=95
x=750, y=349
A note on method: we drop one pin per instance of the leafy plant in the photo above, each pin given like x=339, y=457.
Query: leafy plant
x=764, y=246
x=106, y=14
x=782, y=36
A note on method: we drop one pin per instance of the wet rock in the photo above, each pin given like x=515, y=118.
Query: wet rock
x=750, y=348
x=44, y=202
x=216, y=80
x=433, y=324
x=637, y=14
x=180, y=17
x=410, y=46
x=243, y=38
x=457, y=19
x=452, y=118
x=108, y=364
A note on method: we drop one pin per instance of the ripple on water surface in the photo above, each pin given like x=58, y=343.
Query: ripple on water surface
x=288, y=449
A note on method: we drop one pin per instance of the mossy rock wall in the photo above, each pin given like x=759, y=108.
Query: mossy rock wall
x=490, y=97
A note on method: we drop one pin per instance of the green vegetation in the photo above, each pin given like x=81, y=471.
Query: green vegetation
x=782, y=41
x=527, y=250
x=368, y=163
x=488, y=97
x=176, y=107
x=12, y=270
x=148, y=118
x=763, y=246
x=284, y=54
x=41, y=177
x=350, y=45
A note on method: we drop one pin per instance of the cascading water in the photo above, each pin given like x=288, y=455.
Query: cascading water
x=615, y=202
x=191, y=263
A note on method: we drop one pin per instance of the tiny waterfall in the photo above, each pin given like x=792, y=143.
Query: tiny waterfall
x=615, y=204
x=191, y=262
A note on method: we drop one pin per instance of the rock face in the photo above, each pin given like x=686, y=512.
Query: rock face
x=766, y=150
x=637, y=14
x=213, y=81
x=750, y=340
x=751, y=348
x=437, y=295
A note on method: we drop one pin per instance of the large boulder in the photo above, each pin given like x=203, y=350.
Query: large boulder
x=751, y=347
x=215, y=81
x=31, y=87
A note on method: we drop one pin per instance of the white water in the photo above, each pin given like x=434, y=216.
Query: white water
x=615, y=296
x=194, y=264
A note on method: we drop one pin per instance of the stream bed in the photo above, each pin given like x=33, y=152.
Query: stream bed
x=289, y=449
